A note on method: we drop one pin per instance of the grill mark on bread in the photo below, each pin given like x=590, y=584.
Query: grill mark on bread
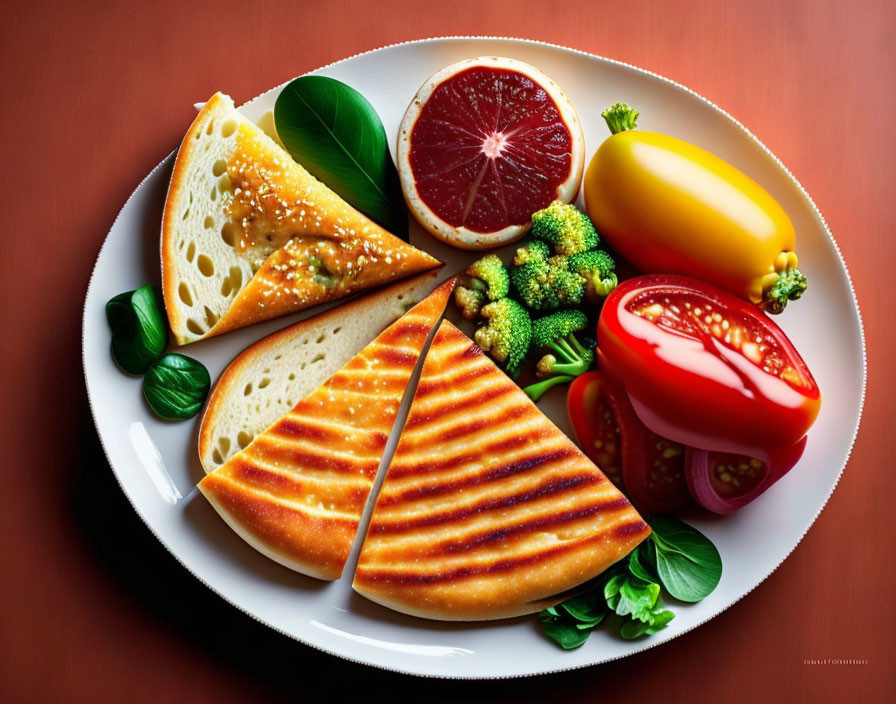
x=395, y=357
x=546, y=488
x=407, y=577
x=352, y=444
x=253, y=476
x=539, y=524
x=408, y=329
x=261, y=503
x=501, y=447
x=471, y=351
x=298, y=459
x=298, y=426
x=452, y=380
x=500, y=472
x=462, y=430
x=468, y=402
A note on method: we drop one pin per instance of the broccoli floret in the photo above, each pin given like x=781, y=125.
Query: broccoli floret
x=565, y=228
x=534, y=252
x=485, y=279
x=596, y=267
x=506, y=334
x=544, y=282
x=566, y=358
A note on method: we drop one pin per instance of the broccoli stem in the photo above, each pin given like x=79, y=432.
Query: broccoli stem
x=571, y=368
x=620, y=117
x=569, y=349
x=577, y=346
x=564, y=350
x=536, y=391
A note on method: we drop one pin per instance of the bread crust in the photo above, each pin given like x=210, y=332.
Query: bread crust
x=217, y=105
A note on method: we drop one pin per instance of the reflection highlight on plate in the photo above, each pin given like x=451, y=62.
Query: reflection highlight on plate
x=412, y=648
x=151, y=459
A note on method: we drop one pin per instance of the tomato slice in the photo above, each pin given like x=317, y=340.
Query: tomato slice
x=596, y=423
x=649, y=469
x=705, y=368
x=722, y=482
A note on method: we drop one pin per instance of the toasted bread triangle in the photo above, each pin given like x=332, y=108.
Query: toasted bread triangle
x=249, y=235
x=297, y=491
x=487, y=509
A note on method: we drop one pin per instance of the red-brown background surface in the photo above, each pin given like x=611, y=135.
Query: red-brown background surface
x=95, y=94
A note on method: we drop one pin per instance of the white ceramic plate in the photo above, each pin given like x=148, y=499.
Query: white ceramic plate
x=157, y=465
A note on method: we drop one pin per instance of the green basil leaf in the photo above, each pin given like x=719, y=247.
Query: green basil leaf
x=175, y=386
x=139, y=328
x=687, y=563
x=331, y=130
x=636, y=566
x=566, y=635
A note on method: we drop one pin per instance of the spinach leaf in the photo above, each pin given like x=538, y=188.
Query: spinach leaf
x=175, y=386
x=139, y=328
x=565, y=634
x=331, y=130
x=688, y=564
x=588, y=609
x=636, y=566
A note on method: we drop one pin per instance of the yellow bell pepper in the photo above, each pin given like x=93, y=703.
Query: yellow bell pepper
x=668, y=206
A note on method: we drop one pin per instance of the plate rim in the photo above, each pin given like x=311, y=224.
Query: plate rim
x=647, y=645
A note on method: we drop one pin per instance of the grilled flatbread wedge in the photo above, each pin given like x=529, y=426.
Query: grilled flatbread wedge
x=296, y=493
x=249, y=235
x=487, y=509
x=269, y=377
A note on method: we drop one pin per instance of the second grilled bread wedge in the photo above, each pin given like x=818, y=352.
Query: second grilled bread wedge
x=487, y=509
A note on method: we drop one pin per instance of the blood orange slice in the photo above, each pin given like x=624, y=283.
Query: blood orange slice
x=484, y=144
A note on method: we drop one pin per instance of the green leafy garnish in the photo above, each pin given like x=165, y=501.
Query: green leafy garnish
x=175, y=386
x=630, y=596
x=139, y=328
x=687, y=563
x=676, y=557
x=588, y=609
x=656, y=622
x=331, y=130
x=567, y=635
